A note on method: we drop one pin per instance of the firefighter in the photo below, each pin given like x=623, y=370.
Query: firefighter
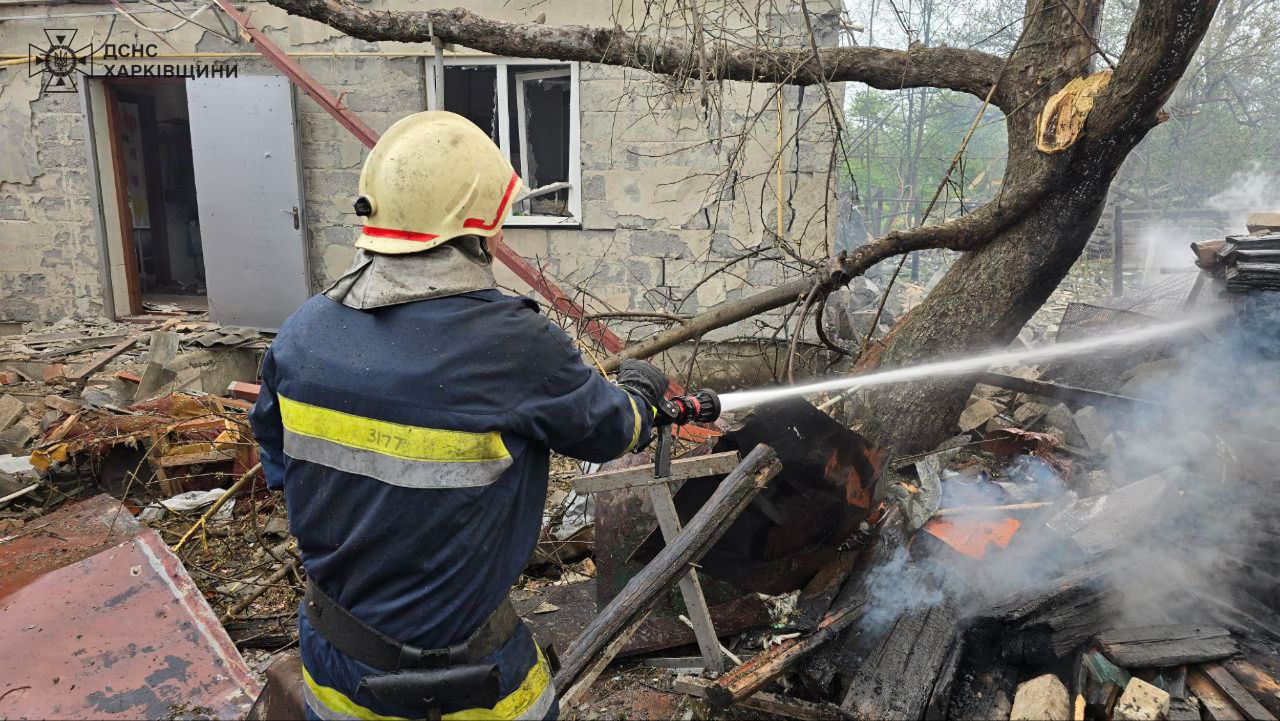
x=407, y=414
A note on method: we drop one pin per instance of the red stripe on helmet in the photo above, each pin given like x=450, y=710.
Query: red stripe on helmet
x=479, y=223
x=506, y=198
x=399, y=234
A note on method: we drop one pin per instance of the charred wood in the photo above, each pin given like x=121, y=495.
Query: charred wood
x=751, y=676
x=984, y=689
x=1166, y=645
x=940, y=701
x=1050, y=620
x=1237, y=693
x=1262, y=685
x=819, y=670
x=899, y=676
x=1217, y=707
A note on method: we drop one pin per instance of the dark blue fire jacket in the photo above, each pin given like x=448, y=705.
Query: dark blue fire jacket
x=411, y=442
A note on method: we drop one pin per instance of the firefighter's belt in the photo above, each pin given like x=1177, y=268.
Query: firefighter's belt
x=369, y=646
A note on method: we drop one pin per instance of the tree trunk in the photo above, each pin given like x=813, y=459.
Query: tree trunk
x=989, y=294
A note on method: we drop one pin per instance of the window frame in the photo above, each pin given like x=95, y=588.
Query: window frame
x=501, y=66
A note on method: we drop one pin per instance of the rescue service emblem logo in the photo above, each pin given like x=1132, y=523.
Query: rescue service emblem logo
x=59, y=61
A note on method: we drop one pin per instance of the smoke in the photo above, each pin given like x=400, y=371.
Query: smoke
x=1216, y=537
x=1164, y=242
x=1208, y=537
x=1251, y=191
x=899, y=584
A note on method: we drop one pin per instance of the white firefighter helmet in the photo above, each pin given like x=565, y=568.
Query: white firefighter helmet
x=432, y=177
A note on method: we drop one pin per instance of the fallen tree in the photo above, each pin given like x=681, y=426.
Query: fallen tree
x=1020, y=245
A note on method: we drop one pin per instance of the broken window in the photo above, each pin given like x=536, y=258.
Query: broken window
x=531, y=111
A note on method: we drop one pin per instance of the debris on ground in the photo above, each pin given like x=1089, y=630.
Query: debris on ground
x=1070, y=563
x=1058, y=557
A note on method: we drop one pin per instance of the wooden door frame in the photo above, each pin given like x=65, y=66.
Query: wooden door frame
x=130, y=254
x=113, y=96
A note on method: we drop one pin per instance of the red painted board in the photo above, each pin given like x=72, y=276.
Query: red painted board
x=122, y=634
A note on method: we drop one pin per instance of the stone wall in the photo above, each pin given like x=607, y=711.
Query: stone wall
x=655, y=216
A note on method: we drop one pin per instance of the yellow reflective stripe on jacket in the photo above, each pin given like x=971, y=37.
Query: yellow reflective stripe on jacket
x=531, y=700
x=394, y=453
x=635, y=432
x=410, y=443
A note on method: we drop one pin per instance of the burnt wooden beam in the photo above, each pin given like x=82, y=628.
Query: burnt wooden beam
x=1050, y=619
x=703, y=530
x=751, y=676
x=1263, y=686
x=898, y=678
x=940, y=700
x=1070, y=395
x=821, y=667
x=1217, y=707
x=1023, y=605
x=1166, y=645
x=819, y=594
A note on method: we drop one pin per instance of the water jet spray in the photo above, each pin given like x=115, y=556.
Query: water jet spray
x=961, y=366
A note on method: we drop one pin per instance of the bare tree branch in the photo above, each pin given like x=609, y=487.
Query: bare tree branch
x=969, y=71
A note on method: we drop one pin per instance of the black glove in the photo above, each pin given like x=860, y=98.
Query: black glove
x=643, y=379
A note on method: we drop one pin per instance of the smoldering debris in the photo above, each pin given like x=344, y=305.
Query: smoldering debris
x=1111, y=547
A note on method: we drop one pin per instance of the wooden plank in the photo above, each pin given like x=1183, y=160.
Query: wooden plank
x=664, y=508
x=1217, y=706
x=682, y=469
x=705, y=528
x=1238, y=694
x=820, y=593
x=1166, y=645
x=1263, y=686
x=191, y=459
x=593, y=671
x=773, y=704
x=65, y=405
x=93, y=365
x=101, y=341
x=753, y=675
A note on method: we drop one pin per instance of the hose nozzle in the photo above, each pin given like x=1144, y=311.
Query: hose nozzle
x=699, y=407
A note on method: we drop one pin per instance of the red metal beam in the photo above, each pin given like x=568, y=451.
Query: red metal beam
x=537, y=280
x=300, y=77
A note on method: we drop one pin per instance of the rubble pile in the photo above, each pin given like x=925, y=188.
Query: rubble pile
x=1097, y=542
x=114, y=421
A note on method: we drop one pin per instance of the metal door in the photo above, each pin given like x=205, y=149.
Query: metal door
x=244, y=149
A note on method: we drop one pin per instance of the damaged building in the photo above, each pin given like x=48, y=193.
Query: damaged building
x=123, y=190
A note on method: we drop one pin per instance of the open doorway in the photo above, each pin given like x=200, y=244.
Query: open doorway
x=150, y=131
